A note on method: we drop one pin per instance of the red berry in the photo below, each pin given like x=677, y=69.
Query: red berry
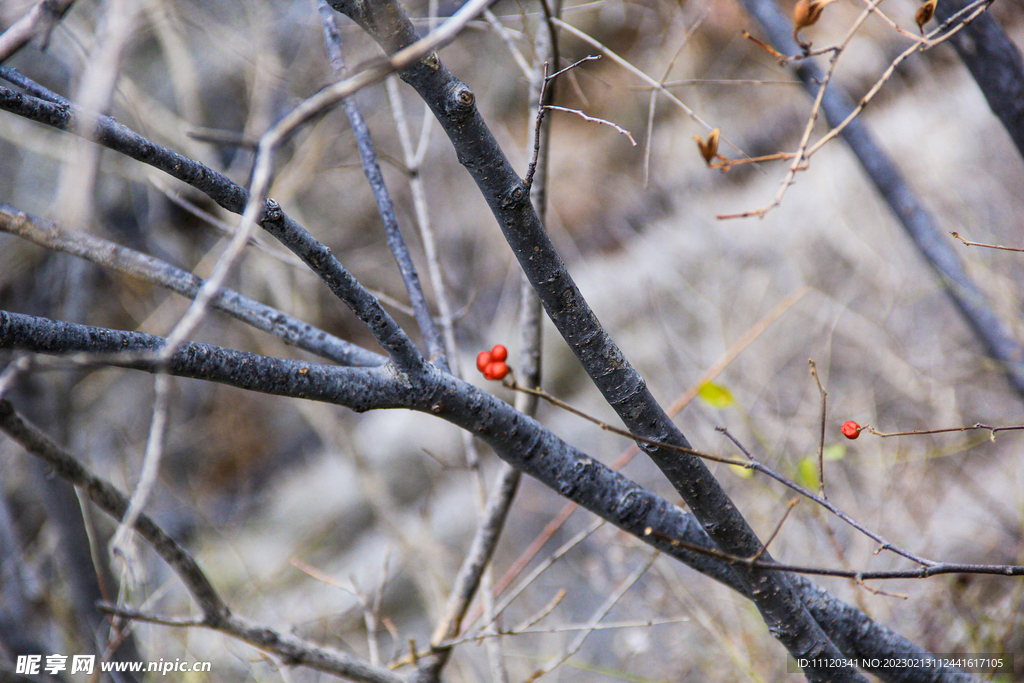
x=850, y=429
x=499, y=352
x=496, y=370
x=483, y=359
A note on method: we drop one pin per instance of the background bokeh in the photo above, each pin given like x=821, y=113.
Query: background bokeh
x=251, y=483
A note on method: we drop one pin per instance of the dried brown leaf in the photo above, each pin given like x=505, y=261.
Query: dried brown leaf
x=924, y=14
x=806, y=13
x=709, y=148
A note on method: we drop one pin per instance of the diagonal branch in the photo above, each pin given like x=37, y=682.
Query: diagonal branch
x=41, y=19
x=518, y=440
x=453, y=104
x=994, y=62
x=216, y=614
x=118, y=137
x=101, y=252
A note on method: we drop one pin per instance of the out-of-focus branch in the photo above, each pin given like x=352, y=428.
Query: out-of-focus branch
x=216, y=614
x=41, y=19
x=994, y=62
x=114, y=503
x=467, y=581
x=453, y=103
x=919, y=224
x=101, y=252
x=114, y=135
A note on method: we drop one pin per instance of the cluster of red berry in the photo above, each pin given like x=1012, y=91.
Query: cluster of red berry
x=492, y=363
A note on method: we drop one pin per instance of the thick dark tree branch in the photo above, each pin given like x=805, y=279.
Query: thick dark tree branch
x=112, y=134
x=453, y=103
x=528, y=369
x=292, y=331
x=319, y=258
x=216, y=614
x=919, y=224
x=519, y=440
x=994, y=62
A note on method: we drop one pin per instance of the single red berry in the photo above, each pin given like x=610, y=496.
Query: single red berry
x=499, y=352
x=850, y=429
x=483, y=359
x=496, y=370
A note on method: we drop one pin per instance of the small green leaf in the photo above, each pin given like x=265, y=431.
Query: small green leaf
x=836, y=451
x=807, y=472
x=715, y=395
x=742, y=472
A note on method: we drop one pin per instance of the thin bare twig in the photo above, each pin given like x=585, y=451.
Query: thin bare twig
x=506, y=38
x=385, y=206
x=624, y=459
x=825, y=503
x=543, y=105
x=947, y=430
x=593, y=119
x=599, y=614
x=778, y=527
x=543, y=612
x=982, y=244
x=649, y=130
x=936, y=569
x=635, y=71
x=805, y=150
x=821, y=440
x=939, y=35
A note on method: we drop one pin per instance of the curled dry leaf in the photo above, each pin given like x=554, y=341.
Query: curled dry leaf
x=806, y=13
x=708, y=149
x=924, y=14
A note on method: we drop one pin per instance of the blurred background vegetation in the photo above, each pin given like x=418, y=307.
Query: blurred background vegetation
x=252, y=482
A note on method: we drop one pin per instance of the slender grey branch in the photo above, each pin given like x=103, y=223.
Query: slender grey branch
x=118, y=137
x=454, y=106
x=216, y=614
x=916, y=220
x=477, y=558
x=516, y=438
x=101, y=252
x=386, y=208
x=528, y=369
